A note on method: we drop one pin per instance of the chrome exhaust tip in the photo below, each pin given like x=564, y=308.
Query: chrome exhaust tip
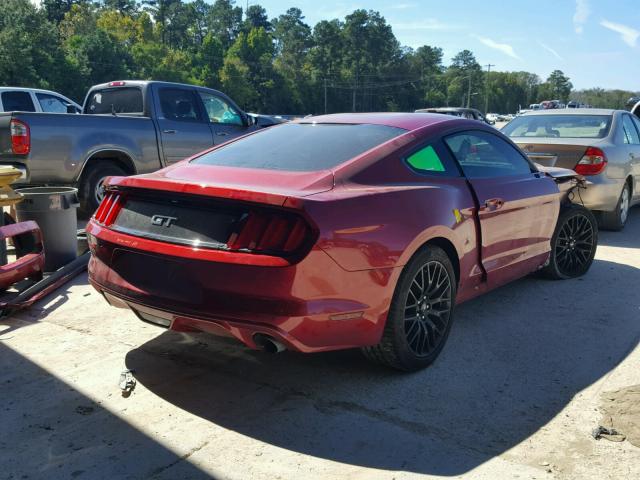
x=268, y=344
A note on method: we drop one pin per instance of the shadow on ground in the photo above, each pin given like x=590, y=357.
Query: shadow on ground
x=515, y=359
x=629, y=237
x=50, y=430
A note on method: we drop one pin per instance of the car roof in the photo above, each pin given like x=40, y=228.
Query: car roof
x=25, y=89
x=573, y=111
x=406, y=121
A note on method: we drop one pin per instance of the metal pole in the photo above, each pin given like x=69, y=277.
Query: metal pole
x=469, y=93
x=355, y=82
x=325, y=95
x=486, y=89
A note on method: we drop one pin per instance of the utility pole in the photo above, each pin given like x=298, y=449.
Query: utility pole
x=469, y=93
x=486, y=89
x=355, y=83
x=325, y=95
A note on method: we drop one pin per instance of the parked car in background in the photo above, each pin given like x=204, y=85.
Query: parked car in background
x=35, y=100
x=127, y=127
x=338, y=231
x=603, y=145
x=535, y=106
x=469, y=113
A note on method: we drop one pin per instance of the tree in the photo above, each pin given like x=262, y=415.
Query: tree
x=30, y=51
x=225, y=21
x=465, y=80
x=256, y=17
x=557, y=87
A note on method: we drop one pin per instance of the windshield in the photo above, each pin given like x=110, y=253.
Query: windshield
x=302, y=147
x=559, y=126
x=115, y=100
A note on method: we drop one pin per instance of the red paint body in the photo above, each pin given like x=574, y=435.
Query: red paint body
x=368, y=217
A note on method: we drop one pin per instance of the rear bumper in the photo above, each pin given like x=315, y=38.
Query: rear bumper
x=601, y=194
x=310, y=306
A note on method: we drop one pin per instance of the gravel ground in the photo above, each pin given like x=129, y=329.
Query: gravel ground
x=515, y=394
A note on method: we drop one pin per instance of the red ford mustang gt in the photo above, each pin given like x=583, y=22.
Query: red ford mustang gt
x=339, y=231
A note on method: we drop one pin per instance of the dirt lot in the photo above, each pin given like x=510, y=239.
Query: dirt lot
x=515, y=394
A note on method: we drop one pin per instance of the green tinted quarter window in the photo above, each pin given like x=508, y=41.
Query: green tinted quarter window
x=426, y=159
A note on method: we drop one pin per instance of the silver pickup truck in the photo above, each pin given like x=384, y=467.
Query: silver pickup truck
x=126, y=127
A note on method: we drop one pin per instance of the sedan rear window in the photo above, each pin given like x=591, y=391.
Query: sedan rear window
x=115, y=100
x=559, y=126
x=301, y=147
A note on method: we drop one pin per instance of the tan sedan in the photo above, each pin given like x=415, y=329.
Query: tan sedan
x=603, y=145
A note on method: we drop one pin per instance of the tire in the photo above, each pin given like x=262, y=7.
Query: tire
x=617, y=219
x=573, y=244
x=91, y=183
x=414, y=334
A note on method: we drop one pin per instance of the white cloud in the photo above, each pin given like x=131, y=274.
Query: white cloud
x=501, y=47
x=629, y=35
x=581, y=15
x=551, y=50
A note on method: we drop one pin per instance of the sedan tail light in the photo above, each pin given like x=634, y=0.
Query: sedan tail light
x=266, y=232
x=20, y=137
x=592, y=162
x=108, y=209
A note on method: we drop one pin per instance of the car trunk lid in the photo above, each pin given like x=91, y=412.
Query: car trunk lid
x=555, y=152
x=272, y=187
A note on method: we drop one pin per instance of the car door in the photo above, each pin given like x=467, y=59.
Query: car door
x=634, y=156
x=225, y=120
x=183, y=129
x=517, y=206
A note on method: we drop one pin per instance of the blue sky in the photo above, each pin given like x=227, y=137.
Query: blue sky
x=595, y=42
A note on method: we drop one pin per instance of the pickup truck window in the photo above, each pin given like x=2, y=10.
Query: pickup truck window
x=178, y=104
x=116, y=100
x=220, y=111
x=51, y=103
x=484, y=155
x=17, y=102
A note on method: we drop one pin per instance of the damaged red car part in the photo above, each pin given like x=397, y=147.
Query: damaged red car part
x=340, y=231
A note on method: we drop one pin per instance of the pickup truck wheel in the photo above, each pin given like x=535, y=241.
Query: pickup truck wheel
x=573, y=244
x=420, y=315
x=617, y=219
x=91, y=189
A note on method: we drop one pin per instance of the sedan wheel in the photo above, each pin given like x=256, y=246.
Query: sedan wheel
x=617, y=219
x=420, y=315
x=573, y=244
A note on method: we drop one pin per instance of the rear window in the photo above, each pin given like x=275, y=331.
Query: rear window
x=559, y=126
x=17, y=102
x=116, y=100
x=301, y=147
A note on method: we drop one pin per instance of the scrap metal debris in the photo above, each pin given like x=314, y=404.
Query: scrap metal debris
x=127, y=382
x=621, y=416
x=610, y=434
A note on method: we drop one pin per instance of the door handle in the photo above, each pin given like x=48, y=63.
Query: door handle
x=169, y=131
x=222, y=134
x=493, y=204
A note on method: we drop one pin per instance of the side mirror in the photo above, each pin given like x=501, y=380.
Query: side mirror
x=71, y=108
x=251, y=120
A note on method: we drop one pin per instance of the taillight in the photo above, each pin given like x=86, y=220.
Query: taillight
x=20, y=137
x=108, y=209
x=267, y=232
x=592, y=162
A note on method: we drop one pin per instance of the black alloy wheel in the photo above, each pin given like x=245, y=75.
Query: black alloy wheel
x=574, y=243
x=420, y=314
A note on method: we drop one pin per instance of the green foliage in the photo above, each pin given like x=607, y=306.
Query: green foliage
x=280, y=65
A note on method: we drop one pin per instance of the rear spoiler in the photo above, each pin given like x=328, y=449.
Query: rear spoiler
x=227, y=192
